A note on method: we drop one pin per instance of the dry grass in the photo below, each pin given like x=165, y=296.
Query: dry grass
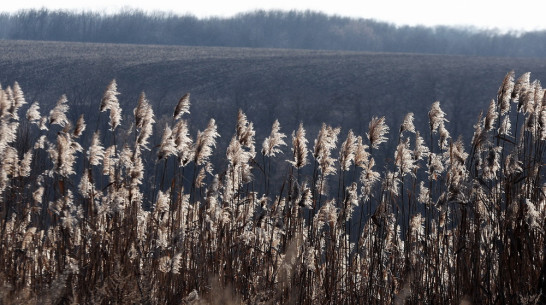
x=437, y=225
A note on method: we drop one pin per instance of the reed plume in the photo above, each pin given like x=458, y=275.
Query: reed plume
x=57, y=116
x=299, y=148
x=110, y=102
x=377, y=129
x=182, y=107
x=206, y=140
x=272, y=143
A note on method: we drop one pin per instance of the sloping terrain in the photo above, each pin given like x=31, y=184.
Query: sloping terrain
x=339, y=88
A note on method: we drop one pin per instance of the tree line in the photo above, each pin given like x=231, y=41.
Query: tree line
x=266, y=29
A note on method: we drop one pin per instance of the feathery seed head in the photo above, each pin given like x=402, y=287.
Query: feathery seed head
x=110, y=102
x=299, y=148
x=58, y=114
x=407, y=124
x=183, y=142
x=63, y=155
x=324, y=143
x=368, y=177
x=38, y=194
x=86, y=187
x=390, y=183
x=271, y=144
x=504, y=128
x=421, y=150
x=505, y=93
x=33, y=113
x=144, y=120
x=109, y=162
x=377, y=129
x=236, y=155
x=416, y=226
x=526, y=100
x=5, y=102
x=403, y=158
x=351, y=200
x=457, y=153
x=480, y=136
x=436, y=116
x=182, y=107
x=491, y=116
x=361, y=155
x=306, y=196
x=512, y=165
x=206, y=140
x=537, y=98
x=24, y=168
x=167, y=146
x=444, y=136
x=10, y=162
x=80, y=127
x=327, y=214
x=347, y=151
x=110, y=96
x=136, y=171
x=533, y=219
x=245, y=132
x=491, y=163
x=95, y=153
x=424, y=194
x=436, y=167
x=520, y=87
x=17, y=100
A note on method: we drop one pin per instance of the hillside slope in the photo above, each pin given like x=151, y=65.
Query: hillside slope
x=340, y=88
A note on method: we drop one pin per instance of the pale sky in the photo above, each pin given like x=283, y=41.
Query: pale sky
x=487, y=14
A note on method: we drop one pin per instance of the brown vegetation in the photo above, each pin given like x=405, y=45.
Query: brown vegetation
x=438, y=225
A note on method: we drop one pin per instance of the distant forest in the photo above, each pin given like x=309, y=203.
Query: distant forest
x=266, y=29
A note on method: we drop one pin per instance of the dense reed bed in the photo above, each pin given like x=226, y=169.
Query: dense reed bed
x=92, y=216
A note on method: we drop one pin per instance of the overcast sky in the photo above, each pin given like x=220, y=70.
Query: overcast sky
x=490, y=14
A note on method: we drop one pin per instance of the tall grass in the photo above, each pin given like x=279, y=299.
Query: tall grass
x=131, y=222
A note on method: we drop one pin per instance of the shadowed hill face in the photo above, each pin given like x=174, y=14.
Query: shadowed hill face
x=339, y=88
